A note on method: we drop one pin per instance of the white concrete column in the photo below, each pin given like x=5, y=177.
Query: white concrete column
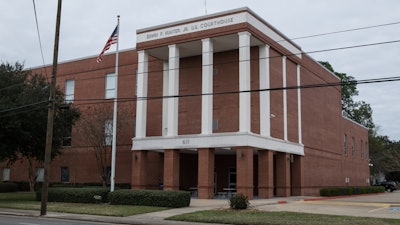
x=285, y=125
x=141, y=103
x=173, y=90
x=165, y=100
x=207, y=87
x=244, y=81
x=299, y=105
x=265, y=102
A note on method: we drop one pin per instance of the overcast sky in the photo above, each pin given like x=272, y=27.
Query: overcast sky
x=86, y=25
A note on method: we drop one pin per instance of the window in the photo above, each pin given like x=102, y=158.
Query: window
x=40, y=174
x=67, y=140
x=353, y=150
x=6, y=174
x=215, y=125
x=64, y=174
x=110, y=86
x=366, y=151
x=134, y=126
x=345, y=144
x=108, y=132
x=232, y=177
x=215, y=71
x=361, y=149
x=69, y=91
x=136, y=83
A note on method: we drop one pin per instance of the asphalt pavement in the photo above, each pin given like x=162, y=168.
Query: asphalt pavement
x=386, y=205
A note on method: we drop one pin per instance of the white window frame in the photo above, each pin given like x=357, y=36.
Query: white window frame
x=110, y=86
x=6, y=174
x=40, y=174
x=69, y=91
x=108, y=132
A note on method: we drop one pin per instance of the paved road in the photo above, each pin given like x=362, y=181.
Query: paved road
x=382, y=206
x=28, y=220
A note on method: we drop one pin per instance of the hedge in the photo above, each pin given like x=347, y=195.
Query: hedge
x=340, y=191
x=172, y=199
x=8, y=187
x=76, y=195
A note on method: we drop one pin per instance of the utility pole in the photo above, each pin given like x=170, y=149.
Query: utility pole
x=50, y=117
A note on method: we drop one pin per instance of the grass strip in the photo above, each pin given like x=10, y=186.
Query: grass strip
x=254, y=217
x=26, y=200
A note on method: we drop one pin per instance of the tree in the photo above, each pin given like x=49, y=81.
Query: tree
x=23, y=117
x=95, y=129
x=360, y=112
x=384, y=154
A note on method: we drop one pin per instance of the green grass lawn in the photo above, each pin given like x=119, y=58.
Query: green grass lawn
x=254, y=217
x=26, y=200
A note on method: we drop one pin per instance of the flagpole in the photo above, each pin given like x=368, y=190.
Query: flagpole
x=114, y=140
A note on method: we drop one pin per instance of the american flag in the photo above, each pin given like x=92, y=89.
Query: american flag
x=112, y=40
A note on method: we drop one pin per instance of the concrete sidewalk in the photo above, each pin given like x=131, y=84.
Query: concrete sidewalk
x=366, y=205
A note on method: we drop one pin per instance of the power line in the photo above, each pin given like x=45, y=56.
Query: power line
x=25, y=109
x=235, y=61
x=310, y=52
x=343, y=31
x=302, y=37
x=93, y=101
x=38, y=33
x=24, y=106
x=331, y=84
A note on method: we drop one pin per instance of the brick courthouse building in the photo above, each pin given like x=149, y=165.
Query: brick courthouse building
x=191, y=124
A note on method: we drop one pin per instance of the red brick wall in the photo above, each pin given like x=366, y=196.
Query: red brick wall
x=322, y=124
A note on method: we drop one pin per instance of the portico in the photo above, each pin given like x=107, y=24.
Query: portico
x=262, y=159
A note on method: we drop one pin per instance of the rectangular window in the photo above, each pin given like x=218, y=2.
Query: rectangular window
x=6, y=174
x=67, y=140
x=232, y=178
x=108, y=132
x=110, y=86
x=353, y=149
x=215, y=125
x=69, y=91
x=361, y=149
x=136, y=83
x=215, y=71
x=40, y=174
x=366, y=151
x=134, y=126
x=345, y=144
x=64, y=174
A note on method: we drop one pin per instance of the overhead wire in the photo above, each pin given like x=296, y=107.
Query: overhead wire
x=229, y=62
x=182, y=68
x=236, y=92
x=38, y=33
x=93, y=101
x=343, y=31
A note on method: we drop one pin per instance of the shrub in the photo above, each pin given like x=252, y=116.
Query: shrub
x=239, y=201
x=22, y=185
x=76, y=195
x=341, y=191
x=8, y=187
x=172, y=199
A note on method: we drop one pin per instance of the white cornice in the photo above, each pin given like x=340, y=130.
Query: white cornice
x=217, y=140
